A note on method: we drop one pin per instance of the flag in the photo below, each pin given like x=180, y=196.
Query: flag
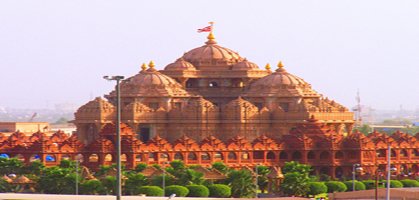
x=205, y=29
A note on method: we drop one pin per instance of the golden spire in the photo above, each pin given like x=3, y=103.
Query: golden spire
x=210, y=37
x=151, y=65
x=143, y=67
x=280, y=67
x=268, y=67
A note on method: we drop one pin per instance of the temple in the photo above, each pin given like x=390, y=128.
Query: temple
x=212, y=104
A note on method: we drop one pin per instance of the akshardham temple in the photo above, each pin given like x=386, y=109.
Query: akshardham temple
x=210, y=105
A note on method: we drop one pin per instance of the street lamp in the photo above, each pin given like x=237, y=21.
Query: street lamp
x=77, y=159
x=256, y=180
x=164, y=177
x=389, y=170
x=118, y=133
x=355, y=168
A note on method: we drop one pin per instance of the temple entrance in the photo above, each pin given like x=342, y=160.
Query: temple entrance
x=144, y=132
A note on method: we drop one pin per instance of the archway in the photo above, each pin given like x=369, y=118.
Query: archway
x=164, y=157
x=65, y=157
x=296, y=155
x=270, y=155
x=34, y=157
x=178, y=156
x=245, y=156
x=218, y=156
x=138, y=158
x=50, y=158
x=325, y=155
x=20, y=157
x=339, y=155
x=144, y=132
x=4, y=155
x=232, y=156
x=192, y=156
x=123, y=157
x=258, y=155
x=283, y=155
x=205, y=156
x=403, y=153
x=108, y=157
x=311, y=155
x=93, y=158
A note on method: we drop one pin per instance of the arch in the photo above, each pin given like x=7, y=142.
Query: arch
x=311, y=155
x=270, y=155
x=283, y=155
x=393, y=153
x=123, y=157
x=34, y=157
x=65, y=157
x=164, y=157
x=138, y=158
x=178, y=156
x=152, y=156
x=20, y=157
x=325, y=170
x=232, y=156
x=4, y=155
x=245, y=156
x=381, y=153
x=339, y=172
x=325, y=155
x=50, y=158
x=339, y=155
x=218, y=156
x=93, y=158
x=79, y=157
x=403, y=153
x=192, y=156
x=205, y=156
x=258, y=155
x=108, y=157
x=415, y=168
x=352, y=154
x=415, y=153
x=296, y=155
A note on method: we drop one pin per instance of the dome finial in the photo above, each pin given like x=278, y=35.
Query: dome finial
x=280, y=66
x=143, y=67
x=211, y=38
x=151, y=65
x=268, y=67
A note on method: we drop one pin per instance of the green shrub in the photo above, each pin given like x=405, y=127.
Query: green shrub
x=316, y=188
x=358, y=185
x=394, y=184
x=219, y=190
x=198, y=191
x=370, y=184
x=93, y=186
x=180, y=191
x=150, y=190
x=140, y=167
x=335, y=186
x=409, y=183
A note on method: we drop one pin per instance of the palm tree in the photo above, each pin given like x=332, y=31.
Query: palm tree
x=241, y=183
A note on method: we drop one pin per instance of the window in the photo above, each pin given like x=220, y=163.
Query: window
x=213, y=84
x=153, y=105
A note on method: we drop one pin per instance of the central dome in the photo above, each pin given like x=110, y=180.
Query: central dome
x=212, y=54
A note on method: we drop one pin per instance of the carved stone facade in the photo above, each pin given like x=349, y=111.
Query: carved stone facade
x=211, y=105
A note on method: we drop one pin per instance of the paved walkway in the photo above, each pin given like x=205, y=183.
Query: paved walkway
x=14, y=196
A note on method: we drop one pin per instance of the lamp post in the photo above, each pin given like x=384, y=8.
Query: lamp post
x=355, y=168
x=77, y=158
x=389, y=170
x=164, y=178
x=256, y=180
x=118, y=133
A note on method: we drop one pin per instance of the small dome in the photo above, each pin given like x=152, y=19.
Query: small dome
x=281, y=83
x=245, y=65
x=150, y=82
x=212, y=54
x=180, y=65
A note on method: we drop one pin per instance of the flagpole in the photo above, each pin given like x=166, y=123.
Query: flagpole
x=212, y=26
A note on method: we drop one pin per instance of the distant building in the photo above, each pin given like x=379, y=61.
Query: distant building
x=24, y=127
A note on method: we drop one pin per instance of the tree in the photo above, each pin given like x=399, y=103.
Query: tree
x=133, y=182
x=241, y=183
x=4, y=186
x=35, y=167
x=189, y=177
x=296, y=178
x=221, y=167
x=67, y=164
x=92, y=187
x=56, y=180
x=10, y=166
x=263, y=172
x=140, y=167
x=109, y=183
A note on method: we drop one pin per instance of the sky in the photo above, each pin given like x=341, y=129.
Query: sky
x=55, y=52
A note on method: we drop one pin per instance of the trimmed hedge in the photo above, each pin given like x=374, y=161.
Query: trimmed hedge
x=150, y=190
x=335, y=186
x=394, y=184
x=179, y=190
x=409, y=183
x=358, y=185
x=219, y=190
x=198, y=191
x=316, y=188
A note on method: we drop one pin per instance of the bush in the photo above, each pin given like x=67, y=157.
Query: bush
x=409, y=183
x=180, y=191
x=316, y=188
x=370, y=184
x=93, y=186
x=150, y=190
x=219, y=190
x=394, y=184
x=335, y=186
x=358, y=185
x=198, y=191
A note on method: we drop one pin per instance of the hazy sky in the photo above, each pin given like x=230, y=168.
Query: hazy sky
x=57, y=51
